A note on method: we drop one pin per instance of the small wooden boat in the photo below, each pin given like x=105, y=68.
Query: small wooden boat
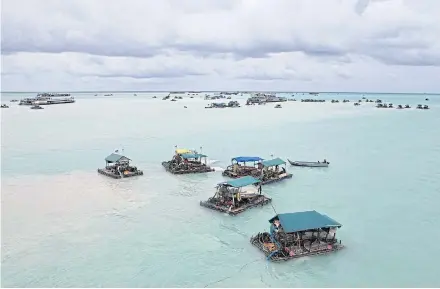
x=37, y=107
x=4, y=106
x=309, y=164
x=278, y=106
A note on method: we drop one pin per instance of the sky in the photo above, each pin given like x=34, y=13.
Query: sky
x=268, y=45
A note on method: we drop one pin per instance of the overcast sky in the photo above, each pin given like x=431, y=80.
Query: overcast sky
x=284, y=45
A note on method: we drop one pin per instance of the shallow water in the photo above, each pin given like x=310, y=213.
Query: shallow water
x=64, y=225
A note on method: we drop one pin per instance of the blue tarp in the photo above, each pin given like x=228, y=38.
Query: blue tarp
x=274, y=162
x=243, y=182
x=247, y=159
x=193, y=156
x=303, y=221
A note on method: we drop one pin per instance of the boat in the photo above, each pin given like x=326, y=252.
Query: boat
x=325, y=163
x=47, y=94
x=233, y=103
x=236, y=196
x=240, y=167
x=217, y=105
x=407, y=106
x=399, y=106
x=419, y=106
x=14, y=100
x=37, y=107
x=357, y=104
x=278, y=106
x=271, y=172
x=45, y=100
x=187, y=161
x=4, y=106
x=300, y=234
x=118, y=166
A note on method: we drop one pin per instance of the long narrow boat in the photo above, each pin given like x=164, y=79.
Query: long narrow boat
x=309, y=164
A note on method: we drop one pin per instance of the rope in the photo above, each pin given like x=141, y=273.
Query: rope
x=223, y=279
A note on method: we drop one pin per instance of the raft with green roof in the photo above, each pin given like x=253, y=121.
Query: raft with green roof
x=118, y=166
x=272, y=173
x=236, y=196
x=187, y=161
x=294, y=235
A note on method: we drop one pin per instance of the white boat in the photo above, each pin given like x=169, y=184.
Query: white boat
x=309, y=164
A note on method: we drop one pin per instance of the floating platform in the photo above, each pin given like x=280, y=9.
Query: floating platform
x=192, y=169
x=275, y=180
x=251, y=172
x=300, y=234
x=264, y=244
x=259, y=201
x=113, y=175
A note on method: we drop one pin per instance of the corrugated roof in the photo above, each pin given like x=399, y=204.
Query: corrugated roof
x=193, y=156
x=242, y=182
x=247, y=159
x=303, y=221
x=274, y=162
x=113, y=158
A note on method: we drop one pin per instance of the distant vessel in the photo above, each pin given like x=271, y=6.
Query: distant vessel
x=47, y=94
x=44, y=100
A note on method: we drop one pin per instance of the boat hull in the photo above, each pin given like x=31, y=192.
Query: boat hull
x=197, y=170
x=118, y=176
x=263, y=200
x=309, y=164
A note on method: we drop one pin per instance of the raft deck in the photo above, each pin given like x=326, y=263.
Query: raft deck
x=268, y=248
x=260, y=201
x=113, y=175
x=278, y=179
x=194, y=169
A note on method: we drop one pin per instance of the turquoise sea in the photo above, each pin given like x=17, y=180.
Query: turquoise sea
x=64, y=225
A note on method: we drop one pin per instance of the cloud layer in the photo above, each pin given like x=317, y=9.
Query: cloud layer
x=331, y=45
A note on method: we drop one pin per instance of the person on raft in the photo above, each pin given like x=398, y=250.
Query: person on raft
x=274, y=229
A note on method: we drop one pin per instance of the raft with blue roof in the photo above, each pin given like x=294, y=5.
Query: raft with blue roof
x=244, y=166
x=294, y=235
x=187, y=161
x=236, y=196
x=118, y=166
x=272, y=172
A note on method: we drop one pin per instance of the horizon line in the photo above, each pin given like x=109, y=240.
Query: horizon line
x=201, y=91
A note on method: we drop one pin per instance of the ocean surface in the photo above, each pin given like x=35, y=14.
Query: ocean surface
x=64, y=225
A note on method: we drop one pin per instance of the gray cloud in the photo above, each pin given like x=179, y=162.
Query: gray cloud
x=279, y=40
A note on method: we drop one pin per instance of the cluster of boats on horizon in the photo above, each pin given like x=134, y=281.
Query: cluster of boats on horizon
x=44, y=99
x=256, y=99
x=292, y=235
